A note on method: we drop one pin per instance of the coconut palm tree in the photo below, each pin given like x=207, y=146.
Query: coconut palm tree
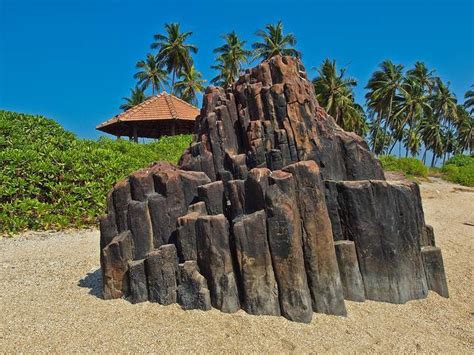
x=274, y=42
x=465, y=130
x=334, y=93
x=469, y=100
x=376, y=139
x=137, y=96
x=449, y=142
x=383, y=87
x=411, y=107
x=432, y=135
x=173, y=52
x=444, y=103
x=189, y=85
x=423, y=76
x=224, y=78
x=150, y=74
x=231, y=56
x=412, y=140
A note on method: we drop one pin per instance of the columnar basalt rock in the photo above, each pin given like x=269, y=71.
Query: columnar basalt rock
x=273, y=209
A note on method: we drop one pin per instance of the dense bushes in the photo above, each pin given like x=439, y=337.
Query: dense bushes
x=49, y=179
x=408, y=166
x=460, y=169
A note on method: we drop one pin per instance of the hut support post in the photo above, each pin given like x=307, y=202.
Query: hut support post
x=173, y=127
x=135, y=134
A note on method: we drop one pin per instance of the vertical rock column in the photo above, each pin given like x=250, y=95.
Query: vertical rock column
x=116, y=256
x=318, y=245
x=286, y=246
x=434, y=270
x=215, y=261
x=161, y=270
x=260, y=290
x=351, y=279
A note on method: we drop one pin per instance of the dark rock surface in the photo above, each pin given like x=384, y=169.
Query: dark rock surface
x=352, y=283
x=115, y=258
x=215, y=261
x=434, y=269
x=318, y=246
x=285, y=237
x=161, y=270
x=192, y=290
x=380, y=218
x=137, y=281
x=273, y=208
x=259, y=287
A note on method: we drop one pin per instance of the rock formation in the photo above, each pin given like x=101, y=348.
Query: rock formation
x=273, y=209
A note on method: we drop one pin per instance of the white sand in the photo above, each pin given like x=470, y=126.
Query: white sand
x=48, y=302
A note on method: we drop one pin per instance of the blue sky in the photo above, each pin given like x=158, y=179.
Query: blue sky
x=74, y=60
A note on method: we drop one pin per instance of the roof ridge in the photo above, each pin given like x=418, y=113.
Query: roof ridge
x=185, y=102
x=137, y=107
x=171, y=107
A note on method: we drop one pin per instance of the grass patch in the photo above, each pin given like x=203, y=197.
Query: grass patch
x=50, y=179
x=459, y=169
x=411, y=167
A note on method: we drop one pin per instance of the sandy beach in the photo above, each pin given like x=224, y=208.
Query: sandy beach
x=50, y=301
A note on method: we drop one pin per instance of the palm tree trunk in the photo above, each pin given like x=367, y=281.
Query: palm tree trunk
x=433, y=160
x=424, y=156
x=379, y=118
x=391, y=148
x=172, y=82
x=387, y=120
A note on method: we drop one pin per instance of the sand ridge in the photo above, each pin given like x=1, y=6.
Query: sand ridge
x=50, y=285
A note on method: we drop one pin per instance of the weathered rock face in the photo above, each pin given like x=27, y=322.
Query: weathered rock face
x=273, y=209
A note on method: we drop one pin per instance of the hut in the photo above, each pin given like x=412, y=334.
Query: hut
x=160, y=115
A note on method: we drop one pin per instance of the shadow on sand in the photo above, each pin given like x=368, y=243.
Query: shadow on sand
x=92, y=281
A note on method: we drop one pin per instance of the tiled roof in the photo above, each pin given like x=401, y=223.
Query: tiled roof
x=160, y=107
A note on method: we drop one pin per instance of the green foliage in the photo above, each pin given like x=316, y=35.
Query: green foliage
x=50, y=179
x=408, y=166
x=460, y=169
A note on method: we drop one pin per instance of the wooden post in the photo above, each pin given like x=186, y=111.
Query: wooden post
x=173, y=127
x=135, y=134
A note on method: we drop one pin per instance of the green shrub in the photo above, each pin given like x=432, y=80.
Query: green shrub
x=50, y=179
x=460, y=169
x=408, y=166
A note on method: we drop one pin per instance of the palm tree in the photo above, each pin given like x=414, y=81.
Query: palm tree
x=334, y=93
x=412, y=141
x=274, y=42
x=137, y=96
x=465, y=130
x=383, y=87
x=444, y=103
x=469, y=100
x=412, y=107
x=432, y=135
x=173, y=52
x=151, y=74
x=224, y=78
x=190, y=85
x=423, y=76
x=231, y=57
x=449, y=142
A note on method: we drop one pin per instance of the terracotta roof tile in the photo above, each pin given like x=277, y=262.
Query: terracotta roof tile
x=160, y=107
